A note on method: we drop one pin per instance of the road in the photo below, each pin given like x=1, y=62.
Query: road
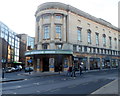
x=60, y=84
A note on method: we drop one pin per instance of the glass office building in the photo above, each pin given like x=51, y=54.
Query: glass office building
x=12, y=44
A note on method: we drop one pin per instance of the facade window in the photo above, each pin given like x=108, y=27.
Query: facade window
x=85, y=48
x=94, y=50
x=46, y=16
x=110, y=41
x=58, y=16
x=79, y=34
x=115, y=43
x=45, y=46
x=74, y=47
x=89, y=36
x=101, y=51
x=104, y=40
x=58, y=31
x=46, y=32
x=80, y=49
x=97, y=38
x=111, y=52
x=58, y=46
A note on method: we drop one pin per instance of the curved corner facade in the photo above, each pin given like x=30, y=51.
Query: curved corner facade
x=61, y=28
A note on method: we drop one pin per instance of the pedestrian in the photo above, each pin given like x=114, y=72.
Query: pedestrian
x=73, y=72
x=80, y=69
x=69, y=71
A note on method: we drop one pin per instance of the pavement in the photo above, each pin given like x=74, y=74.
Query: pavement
x=110, y=88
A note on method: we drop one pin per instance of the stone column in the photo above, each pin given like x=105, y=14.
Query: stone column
x=100, y=63
x=64, y=29
x=52, y=30
x=88, y=63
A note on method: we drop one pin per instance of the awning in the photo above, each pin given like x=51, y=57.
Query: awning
x=41, y=52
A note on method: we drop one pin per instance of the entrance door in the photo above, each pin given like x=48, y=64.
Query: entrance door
x=58, y=63
x=45, y=64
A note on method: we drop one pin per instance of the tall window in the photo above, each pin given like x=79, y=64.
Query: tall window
x=97, y=38
x=58, y=31
x=104, y=40
x=89, y=36
x=79, y=33
x=110, y=41
x=46, y=32
x=115, y=39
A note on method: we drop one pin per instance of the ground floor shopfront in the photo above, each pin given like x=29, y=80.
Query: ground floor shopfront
x=61, y=60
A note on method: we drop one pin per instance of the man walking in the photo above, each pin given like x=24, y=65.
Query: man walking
x=80, y=69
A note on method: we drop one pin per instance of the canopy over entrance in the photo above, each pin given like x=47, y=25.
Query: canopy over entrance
x=41, y=52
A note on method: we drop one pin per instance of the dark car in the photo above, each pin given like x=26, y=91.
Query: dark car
x=28, y=69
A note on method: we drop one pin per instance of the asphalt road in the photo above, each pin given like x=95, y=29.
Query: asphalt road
x=84, y=84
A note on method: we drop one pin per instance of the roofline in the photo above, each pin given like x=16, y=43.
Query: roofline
x=58, y=5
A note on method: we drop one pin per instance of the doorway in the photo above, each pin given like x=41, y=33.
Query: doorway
x=45, y=64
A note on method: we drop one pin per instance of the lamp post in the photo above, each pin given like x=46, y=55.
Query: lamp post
x=3, y=68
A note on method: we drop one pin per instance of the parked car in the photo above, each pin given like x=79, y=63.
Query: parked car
x=28, y=69
x=9, y=69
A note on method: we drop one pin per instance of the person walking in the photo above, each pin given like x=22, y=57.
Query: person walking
x=73, y=72
x=69, y=71
x=80, y=69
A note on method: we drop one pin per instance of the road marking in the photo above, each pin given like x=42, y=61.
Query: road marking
x=72, y=86
x=84, y=83
x=19, y=86
x=38, y=91
x=36, y=83
x=55, y=90
x=105, y=87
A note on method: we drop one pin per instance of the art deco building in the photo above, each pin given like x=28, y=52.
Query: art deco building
x=66, y=35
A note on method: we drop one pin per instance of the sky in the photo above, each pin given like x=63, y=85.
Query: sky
x=19, y=15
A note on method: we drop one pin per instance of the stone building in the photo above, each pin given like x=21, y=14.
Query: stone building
x=67, y=36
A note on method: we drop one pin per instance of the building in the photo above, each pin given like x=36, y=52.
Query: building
x=10, y=46
x=26, y=44
x=67, y=36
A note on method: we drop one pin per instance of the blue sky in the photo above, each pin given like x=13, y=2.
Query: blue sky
x=18, y=15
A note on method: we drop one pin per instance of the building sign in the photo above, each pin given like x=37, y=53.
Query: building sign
x=48, y=52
